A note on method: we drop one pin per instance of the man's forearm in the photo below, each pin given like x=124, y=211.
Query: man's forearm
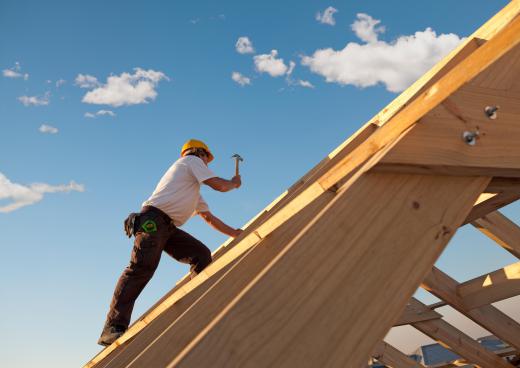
x=223, y=185
x=219, y=225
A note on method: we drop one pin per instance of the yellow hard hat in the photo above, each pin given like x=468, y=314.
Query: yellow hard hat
x=194, y=143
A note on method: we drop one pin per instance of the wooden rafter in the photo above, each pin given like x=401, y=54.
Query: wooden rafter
x=487, y=316
x=502, y=230
x=390, y=356
x=416, y=312
x=492, y=287
x=458, y=342
x=499, y=185
x=491, y=204
x=461, y=344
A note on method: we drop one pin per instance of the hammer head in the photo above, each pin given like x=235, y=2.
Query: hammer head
x=237, y=157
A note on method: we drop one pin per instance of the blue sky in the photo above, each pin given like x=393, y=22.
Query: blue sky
x=99, y=151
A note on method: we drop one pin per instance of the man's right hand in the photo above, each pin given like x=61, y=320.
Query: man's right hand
x=224, y=185
x=237, y=181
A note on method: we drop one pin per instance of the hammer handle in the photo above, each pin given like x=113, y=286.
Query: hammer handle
x=236, y=167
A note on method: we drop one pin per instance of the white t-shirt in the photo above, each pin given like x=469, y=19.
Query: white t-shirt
x=178, y=191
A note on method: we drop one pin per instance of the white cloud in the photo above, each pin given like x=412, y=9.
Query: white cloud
x=195, y=21
x=60, y=82
x=44, y=128
x=365, y=28
x=22, y=195
x=35, y=100
x=244, y=46
x=292, y=82
x=268, y=63
x=100, y=113
x=327, y=17
x=304, y=83
x=396, y=64
x=15, y=72
x=240, y=79
x=126, y=89
x=292, y=65
x=8, y=73
x=86, y=81
x=106, y=112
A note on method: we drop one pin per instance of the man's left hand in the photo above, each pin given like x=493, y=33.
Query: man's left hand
x=237, y=232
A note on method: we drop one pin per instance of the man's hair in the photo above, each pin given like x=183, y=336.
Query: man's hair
x=195, y=152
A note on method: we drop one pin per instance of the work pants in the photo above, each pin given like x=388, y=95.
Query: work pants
x=145, y=258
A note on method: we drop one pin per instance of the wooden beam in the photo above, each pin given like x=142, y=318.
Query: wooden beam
x=502, y=230
x=489, y=317
x=460, y=343
x=390, y=356
x=491, y=204
x=499, y=185
x=428, y=169
x=463, y=362
x=457, y=363
x=415, y=311
x=492, y=287
x=324, y=267
x=440, y=304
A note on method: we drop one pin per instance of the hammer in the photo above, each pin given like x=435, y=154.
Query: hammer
x=237, y=158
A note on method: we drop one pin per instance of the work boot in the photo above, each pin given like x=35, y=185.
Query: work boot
x=111, y=334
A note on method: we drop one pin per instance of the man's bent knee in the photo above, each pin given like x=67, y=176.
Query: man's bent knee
x=204, y=259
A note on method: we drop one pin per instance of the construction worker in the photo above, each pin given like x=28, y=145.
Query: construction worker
x=156, y=228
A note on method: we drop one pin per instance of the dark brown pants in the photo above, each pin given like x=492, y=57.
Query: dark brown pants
x=145, y=258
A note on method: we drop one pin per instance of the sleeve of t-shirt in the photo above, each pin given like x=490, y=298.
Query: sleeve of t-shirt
x=202, y=206
x=200, y=170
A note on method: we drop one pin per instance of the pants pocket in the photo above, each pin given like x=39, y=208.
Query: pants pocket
x=146, y=252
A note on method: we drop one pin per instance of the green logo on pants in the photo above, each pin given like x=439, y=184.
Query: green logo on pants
x=149, y=226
